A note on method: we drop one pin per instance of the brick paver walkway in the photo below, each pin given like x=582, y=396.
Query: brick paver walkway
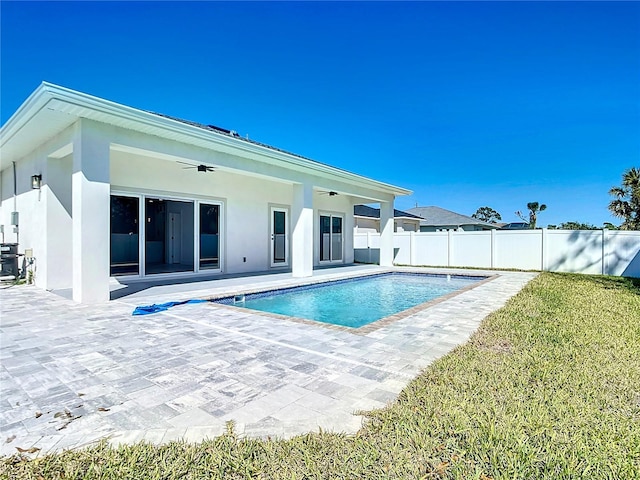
x=72, y=374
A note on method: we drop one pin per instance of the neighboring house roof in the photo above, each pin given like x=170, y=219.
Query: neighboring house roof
x=440, y=217
x=515, y=226
x=50, y=109
x=370, y=212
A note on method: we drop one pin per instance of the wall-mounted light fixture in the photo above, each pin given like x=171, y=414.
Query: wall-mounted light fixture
x=36, y=182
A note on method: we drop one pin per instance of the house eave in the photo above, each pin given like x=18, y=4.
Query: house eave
x=71, y=105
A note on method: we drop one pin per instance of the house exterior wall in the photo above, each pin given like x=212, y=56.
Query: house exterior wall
x=30, y=205
x=407, y=226
x=245, y=202
x=440, y=228
x=89, y=149
x=45, y=214
x=59, y=224
x=366, y=224
x=476, y=228
x=139, y=164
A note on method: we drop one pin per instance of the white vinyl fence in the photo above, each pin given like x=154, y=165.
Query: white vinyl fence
x=609, y=252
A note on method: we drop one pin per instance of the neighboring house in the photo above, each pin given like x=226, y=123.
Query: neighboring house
x=104, y=190
x=514, y=226
x=436, y=219
x=367, y=219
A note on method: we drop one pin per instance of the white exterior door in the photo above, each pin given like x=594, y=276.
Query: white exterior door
x=279, y=244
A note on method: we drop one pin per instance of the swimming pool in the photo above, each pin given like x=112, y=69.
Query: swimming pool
x=354, y=302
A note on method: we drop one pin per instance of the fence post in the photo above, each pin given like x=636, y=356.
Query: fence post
x=545, y=240
x=604, y=251
x=449, y=247
x=412, y=248
x=493, y=248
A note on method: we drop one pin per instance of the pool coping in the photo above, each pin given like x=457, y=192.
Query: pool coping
x=364, y=329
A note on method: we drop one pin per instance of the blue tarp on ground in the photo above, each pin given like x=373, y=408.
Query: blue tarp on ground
x=161, y=307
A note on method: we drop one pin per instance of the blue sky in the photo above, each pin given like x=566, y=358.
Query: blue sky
x=468, y=104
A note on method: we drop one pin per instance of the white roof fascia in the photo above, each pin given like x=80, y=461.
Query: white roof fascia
x=29, y=108
x=61, y=98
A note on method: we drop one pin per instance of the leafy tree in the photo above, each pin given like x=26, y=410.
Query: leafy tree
x=609, y=226
x=577, y=226
x=487, y=214
x=534, y=209
x=627, y=202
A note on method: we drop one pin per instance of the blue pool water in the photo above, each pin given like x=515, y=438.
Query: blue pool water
x=354, y=302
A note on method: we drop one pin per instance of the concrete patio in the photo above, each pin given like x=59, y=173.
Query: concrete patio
x=73, y=374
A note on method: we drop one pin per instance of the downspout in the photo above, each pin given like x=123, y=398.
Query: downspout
x=1, y=202
x=15, y=186
x=15, y=201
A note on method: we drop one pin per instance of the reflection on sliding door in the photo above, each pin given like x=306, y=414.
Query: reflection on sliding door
x=168, y=236
x=209, y=236
x=336, y=238
x=330, y=238
x=325, y=238
x=125, y=227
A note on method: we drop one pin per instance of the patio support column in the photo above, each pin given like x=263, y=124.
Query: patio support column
x=386, y=234
x=59, y=224
x=90, y=211
x=302, y=237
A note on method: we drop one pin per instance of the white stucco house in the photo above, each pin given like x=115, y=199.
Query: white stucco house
x=104, y=190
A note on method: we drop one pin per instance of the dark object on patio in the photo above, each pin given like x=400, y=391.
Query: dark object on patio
x=161, y=307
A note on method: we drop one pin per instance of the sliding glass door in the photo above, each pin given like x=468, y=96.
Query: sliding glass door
x=169, y=236
x=209, y=236
x=152, y=235
x=330, y=238
x=125, y=235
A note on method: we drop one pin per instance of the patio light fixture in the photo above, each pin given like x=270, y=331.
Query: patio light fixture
x=36, y=182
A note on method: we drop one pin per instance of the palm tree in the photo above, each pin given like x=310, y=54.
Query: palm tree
x=534, y=208
x=627, y=202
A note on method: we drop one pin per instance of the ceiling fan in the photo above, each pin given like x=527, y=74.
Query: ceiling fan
x=331, y=193
x=200, y=168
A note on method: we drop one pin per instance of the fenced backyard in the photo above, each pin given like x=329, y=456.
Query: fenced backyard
x=545, y=389
x=606, y=252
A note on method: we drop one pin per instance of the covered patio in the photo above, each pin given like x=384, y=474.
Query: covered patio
x=104, y=190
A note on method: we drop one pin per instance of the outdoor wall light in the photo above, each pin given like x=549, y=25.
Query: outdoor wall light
x=36, y=182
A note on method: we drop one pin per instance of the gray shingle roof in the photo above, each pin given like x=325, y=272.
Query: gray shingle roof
x=440, y=217
x=366, y=211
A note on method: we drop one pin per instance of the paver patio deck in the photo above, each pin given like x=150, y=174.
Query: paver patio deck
x=72, y=374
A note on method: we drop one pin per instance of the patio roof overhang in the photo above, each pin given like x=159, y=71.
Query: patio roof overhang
x=50, y=109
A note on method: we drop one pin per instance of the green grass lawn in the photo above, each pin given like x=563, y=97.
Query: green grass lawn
x=549, y=387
